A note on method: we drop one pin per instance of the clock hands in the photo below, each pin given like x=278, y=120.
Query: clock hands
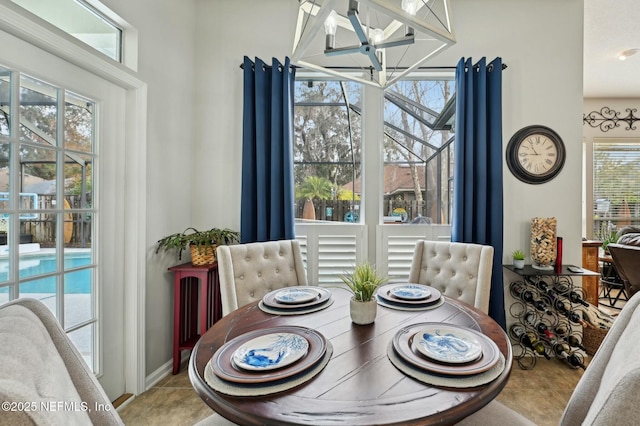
x=532, y=148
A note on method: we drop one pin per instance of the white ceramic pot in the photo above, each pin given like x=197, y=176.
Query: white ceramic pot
x=363, y=313
x=518, y=263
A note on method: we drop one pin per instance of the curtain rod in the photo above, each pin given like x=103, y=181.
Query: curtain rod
x=490, y=67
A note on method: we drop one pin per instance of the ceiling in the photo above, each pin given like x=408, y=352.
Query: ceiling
x=610, y=27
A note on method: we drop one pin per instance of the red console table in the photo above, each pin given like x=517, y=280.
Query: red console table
x=196, y=305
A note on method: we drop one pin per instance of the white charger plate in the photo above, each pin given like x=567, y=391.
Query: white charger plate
x=296, y=295
x=270, y=351
x=448, y=344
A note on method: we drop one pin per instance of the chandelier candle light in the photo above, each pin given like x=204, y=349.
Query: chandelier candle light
x=371, y=41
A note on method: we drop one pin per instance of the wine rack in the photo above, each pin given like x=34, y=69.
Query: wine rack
x=547, y=315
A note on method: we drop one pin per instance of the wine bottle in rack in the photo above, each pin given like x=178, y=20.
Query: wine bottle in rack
x=561, y=307
x=562, y=329
x=520, y=291
x=576, y=298
x=575, y=342
x=529, y=340
x=563, y=351
x=539, y=326
x=575, y=361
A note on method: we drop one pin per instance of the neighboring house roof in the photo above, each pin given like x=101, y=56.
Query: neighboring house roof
x=46, y=186
x=27, y=180
x=397, y=179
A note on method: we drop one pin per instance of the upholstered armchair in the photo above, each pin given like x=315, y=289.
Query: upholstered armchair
x=607, y=393
x=458, y=270
x=249, y=271
x=626, y=259
x=40, y=365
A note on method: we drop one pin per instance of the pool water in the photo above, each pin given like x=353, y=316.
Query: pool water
x=77, y=282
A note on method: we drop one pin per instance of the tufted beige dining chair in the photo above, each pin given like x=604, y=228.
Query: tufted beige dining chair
x=458, y=270
x=249, y=271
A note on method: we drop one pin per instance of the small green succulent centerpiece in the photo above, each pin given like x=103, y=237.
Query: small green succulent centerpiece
x=518, y=255
x=518, y=259
x=201, y=243
x=363, y=282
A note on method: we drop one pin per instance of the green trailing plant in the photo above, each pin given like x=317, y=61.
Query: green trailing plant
x=611, y=238
x=363, y=281
x=201, y=239
x=518, y=255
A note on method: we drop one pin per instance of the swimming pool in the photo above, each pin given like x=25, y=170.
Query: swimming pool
x=35, y=264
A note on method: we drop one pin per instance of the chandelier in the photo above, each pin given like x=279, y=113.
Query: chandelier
x=374, y=42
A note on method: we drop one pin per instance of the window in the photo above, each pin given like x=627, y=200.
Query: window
x=327, y=150
x=418, y=151
x=47, y=158
x=82, y=21
x=616, y=185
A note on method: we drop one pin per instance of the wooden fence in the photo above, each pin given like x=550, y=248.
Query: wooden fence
x=349, y=211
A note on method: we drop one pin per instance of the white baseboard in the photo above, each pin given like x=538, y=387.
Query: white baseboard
x=163, y=371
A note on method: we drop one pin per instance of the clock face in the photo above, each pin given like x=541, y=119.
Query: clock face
x=535, y=154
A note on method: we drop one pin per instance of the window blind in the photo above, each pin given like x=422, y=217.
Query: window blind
x=616, y=185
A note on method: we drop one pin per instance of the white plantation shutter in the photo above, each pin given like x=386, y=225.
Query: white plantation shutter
x=399, y=256
x=337, y=255
x=330, y=250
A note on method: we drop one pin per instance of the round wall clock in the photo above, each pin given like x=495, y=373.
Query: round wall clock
x=535, y=154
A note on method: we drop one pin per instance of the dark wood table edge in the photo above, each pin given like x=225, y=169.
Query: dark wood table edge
x=447, y=417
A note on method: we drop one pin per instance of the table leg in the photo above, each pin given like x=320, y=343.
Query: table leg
x=177, y=308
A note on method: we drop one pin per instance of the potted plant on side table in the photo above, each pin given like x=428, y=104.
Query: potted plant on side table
x=518, y=259
x=363, y=282
x=202, y=244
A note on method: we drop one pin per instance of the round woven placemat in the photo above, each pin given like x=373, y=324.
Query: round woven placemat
x=448, y=381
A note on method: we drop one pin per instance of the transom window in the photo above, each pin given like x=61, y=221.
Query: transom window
x=80, y=20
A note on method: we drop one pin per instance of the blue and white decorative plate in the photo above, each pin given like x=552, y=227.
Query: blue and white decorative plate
x=270, y=351
x=448, y=344
x=410, y=291
x=296, y=295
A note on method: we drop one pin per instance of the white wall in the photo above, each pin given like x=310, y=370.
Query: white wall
x=166, y=58
x=227, y=30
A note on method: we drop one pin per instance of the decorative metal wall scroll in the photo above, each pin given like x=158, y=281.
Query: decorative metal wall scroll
x=607, y=119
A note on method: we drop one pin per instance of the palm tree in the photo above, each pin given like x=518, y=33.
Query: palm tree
x=314, y=187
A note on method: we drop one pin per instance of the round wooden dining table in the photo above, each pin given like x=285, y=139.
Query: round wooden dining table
x=359, y=385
